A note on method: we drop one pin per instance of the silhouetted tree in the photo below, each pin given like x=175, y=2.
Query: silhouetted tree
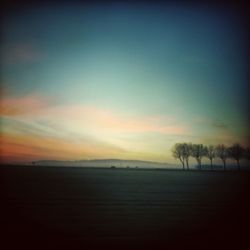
x=210, y=154
x=178, y=153
x=187, y=150
x=247, y=153
x=198, y=151
x=222, y=153
x=236, y=152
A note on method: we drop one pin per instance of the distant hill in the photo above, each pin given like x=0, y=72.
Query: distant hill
x=118, y=163
x=106, y=163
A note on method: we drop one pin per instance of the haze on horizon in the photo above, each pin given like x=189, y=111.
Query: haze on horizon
x=123, y=81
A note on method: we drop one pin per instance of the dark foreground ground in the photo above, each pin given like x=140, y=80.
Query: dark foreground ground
x=58, y=207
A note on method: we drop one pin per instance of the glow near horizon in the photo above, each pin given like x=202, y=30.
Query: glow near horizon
x=120, y=81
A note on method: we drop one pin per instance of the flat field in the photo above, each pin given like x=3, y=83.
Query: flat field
x=54, y=207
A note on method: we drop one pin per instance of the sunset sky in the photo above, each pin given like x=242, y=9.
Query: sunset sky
x=120, y=81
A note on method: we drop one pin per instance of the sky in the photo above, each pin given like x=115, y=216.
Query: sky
x=123, y=81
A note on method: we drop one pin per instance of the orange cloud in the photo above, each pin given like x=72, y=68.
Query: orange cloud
x=27, y=147
x=35, y=128
x=16, y=106
x=87, y=117
x=110, y=121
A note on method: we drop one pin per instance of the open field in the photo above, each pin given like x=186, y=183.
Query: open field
x=123, y=208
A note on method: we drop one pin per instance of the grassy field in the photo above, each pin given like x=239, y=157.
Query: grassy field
x=123, y=208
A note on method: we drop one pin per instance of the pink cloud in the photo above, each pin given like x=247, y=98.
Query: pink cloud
x=109, y=120
x=54, y=130
x=30, y=147
x=21, y=53
x=88, y=117
x=16, y=106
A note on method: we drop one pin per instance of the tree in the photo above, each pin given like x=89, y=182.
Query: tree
x=222, y=153
x=247, y=153
x=236, y=152
x=198, y=151
x=187, y=150
x=210, y=154
x=178, y=153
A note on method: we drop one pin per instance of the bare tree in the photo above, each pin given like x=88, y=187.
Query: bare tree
x=198, y=151
x=210, y=154
x=236, y=152
x=247, y=153
x=222, y=153
x=178, y=153
x=187, y=150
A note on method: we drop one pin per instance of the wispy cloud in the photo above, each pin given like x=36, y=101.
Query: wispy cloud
x=210, y=123
x=35, y=107
x=21, y=53
x=18, y=106
x=31, y=147
x=219, y=124
x=110, y=120
x=36, y=127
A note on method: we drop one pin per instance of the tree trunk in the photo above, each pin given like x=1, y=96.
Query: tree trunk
x=187, y=164
x=224, y=163
x=211, y=160
x=182, y=162
x=199, y=164
x=238, y=165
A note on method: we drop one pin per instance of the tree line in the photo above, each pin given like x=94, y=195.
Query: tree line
x=183, y=152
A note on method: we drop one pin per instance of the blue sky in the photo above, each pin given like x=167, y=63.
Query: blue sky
x=148, y=74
